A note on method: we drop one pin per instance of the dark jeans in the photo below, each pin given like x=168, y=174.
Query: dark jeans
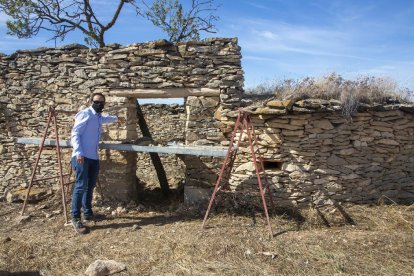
x=85, y=181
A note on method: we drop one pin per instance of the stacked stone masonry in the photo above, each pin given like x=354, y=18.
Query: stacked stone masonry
x=33, y=80
x=313, y=153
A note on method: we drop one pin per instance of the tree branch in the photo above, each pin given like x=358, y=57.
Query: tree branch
x=63, y=16
x=117, y=12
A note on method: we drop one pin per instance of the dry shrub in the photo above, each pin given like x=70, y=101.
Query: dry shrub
x=364, y=89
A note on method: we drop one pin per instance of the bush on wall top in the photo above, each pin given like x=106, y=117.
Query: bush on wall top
x=364, y=89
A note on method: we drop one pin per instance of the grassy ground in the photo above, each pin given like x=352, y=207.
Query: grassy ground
x=157, y=241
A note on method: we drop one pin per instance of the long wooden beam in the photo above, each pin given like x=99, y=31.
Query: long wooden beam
x=181, y=92
x=174, y=149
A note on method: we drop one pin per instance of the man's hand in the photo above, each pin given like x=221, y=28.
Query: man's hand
x=79, y=159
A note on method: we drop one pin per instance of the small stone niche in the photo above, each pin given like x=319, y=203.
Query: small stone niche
x=272, y=165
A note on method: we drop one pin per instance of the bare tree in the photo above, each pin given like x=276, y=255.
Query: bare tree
x=61, y=17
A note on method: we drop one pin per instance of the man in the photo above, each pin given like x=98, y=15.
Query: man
x=85, y=160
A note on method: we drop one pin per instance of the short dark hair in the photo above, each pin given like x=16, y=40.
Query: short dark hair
x=97, y=94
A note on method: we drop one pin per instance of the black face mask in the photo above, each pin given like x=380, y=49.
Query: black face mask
x=98, y=107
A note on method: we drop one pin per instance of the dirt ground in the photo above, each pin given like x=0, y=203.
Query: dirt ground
x=167, y=239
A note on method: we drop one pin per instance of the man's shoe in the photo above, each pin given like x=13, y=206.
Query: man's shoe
x=79, y=227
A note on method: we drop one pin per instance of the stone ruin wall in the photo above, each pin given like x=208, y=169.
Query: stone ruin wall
x=64, y=77
x=313, y=154
x=316, y=156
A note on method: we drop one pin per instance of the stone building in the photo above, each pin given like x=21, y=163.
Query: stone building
x=312, y=153
x=207, y=73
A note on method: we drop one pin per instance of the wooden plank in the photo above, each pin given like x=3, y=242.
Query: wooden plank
x=181, y=92
x=184, y=150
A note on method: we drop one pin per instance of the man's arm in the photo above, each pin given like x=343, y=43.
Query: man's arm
x=81, y=120
x=107, y=119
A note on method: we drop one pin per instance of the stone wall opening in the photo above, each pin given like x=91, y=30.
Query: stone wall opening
x=272, y=165
x=166, y=123
x=191, y=123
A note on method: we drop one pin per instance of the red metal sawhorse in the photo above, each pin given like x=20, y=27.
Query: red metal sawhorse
x=243, y=123
x=52, y=116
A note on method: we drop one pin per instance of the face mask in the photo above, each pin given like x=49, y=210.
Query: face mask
x=98, y=107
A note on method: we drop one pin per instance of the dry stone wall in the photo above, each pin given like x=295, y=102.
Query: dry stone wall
x=315, y=156
x=31, y=81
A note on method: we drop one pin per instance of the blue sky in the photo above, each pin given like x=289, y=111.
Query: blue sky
x=284, y=39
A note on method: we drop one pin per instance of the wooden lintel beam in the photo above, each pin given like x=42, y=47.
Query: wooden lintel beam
x=180, y=92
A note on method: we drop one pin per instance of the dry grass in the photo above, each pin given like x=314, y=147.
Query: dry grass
x=364, y=89
x=172, y=243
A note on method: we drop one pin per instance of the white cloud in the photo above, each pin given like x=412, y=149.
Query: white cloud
x=254, y=4
x=345, y=11
x=267, y=34
x=258, y=58
x=269, y=38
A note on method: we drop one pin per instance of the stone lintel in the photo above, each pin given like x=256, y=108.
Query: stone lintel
x=181, y=92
